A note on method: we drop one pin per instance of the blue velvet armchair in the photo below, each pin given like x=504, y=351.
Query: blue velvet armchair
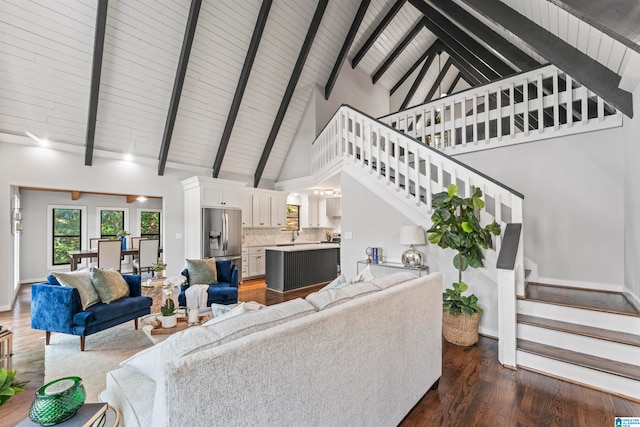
x=223, y=292
x=56, y=308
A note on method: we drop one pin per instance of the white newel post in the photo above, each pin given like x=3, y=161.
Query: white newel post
x=507, y=318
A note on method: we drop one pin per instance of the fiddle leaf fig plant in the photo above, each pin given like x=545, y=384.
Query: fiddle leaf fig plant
x=456, y=225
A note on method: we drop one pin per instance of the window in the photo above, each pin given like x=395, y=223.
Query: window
x=111, y=222
x=293, y=218
x=67, y=233
x=150, y=224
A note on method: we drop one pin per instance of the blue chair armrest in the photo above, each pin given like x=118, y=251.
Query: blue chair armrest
x=234, y=276
x=53, y=307
x=135, y=284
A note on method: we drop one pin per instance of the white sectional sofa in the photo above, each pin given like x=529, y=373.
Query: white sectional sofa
x=360, y=355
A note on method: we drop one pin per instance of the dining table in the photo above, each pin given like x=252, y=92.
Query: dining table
x=77, y=256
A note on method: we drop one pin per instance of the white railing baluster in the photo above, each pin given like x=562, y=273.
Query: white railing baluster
x=452, y=117
x=499, y=107
x=585, y=108
x=487, y=132
x=512, y=111
x=569, y=100
x=540, y=91
x=428, y=180
x=556, y=106
x=464, y=121
x=474, y=118
x=525, y=101
x=600, y=109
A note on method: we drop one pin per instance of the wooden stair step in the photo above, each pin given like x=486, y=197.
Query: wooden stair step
x=585, y=360
x=607, y=301
x=587, y=331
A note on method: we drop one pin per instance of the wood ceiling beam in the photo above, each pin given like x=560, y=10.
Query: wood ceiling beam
x=344, y=51
x=465, y=45
x=96, y=72
x=498, y=45
x=454, y=83
x=470, y=74
x=291, y=86
x=75, y=195
x=417, y=81
x=377, y=32
x=242, y=85
x=435, y=47
x=438, y=80
x=187, y=42
x=400, y=47
x=584, y=69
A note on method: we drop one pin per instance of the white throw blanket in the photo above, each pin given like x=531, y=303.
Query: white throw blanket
x=196, y=296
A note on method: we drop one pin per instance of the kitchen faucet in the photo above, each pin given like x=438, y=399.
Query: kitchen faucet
x=293, y=235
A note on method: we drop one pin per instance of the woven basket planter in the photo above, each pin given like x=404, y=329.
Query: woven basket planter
x=460, y=330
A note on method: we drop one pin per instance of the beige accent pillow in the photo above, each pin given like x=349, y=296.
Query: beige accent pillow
x=109, y=284
x=202, y=271
x=81, y=280
x=328, y=298
x=385, y=282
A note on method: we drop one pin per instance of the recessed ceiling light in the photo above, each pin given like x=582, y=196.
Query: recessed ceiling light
x=128, y=157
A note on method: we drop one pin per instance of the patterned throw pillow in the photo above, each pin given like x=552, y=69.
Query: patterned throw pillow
x=81, y=280
x=110, y=285
x=202, y=271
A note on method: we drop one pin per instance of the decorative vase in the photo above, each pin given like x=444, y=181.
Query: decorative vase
x=160, y=274
x=460, y=330
x=57, y=401
x=124, y=243
x=169, y=321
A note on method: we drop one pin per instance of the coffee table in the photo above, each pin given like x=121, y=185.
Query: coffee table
x=157, y=333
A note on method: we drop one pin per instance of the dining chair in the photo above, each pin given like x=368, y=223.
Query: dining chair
x=135, y=242
x=147, y=256
x=109, y=254
x=93, y=244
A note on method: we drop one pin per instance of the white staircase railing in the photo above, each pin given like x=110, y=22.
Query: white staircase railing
x=525, y=107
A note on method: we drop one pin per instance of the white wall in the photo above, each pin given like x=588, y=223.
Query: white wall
x=352, y=87
x=573, y=206
x=374, y=221
x=43, y=168
x=631, y=138
x=34, y=239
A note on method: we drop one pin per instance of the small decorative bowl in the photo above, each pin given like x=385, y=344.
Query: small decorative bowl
x=57, y=401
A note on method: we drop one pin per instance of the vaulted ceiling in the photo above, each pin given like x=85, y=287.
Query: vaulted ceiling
x=221, y=85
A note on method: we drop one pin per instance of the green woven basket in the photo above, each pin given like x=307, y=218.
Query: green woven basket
x=57, y=401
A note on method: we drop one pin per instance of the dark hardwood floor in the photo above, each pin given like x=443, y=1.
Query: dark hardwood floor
x=474, y=389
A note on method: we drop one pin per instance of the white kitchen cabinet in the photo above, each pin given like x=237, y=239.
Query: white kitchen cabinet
x=257, y=262
x=261, y=210
x=334, y=207
x=247, y=209
x=245, y=264
x=279, y=211
x=220, y=197
x=314, y=213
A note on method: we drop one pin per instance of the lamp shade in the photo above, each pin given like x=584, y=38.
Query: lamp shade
x=412, y=235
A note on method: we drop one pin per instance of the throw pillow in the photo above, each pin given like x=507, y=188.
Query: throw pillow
x=338, y=282
x=322, y=300
x=81, y=280
x=202, y=271
x=146, y=361
x=110, y=285
x=364, y=276
x=236, y=310
x=385, y=282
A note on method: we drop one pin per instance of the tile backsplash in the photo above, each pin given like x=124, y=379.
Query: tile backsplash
x=270, y=236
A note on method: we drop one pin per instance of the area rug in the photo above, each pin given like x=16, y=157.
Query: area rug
x=103, y=352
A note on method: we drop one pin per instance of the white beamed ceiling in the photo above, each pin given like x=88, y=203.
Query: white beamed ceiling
x=46, y=51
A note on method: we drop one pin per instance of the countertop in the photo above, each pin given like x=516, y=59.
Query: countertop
x=304, y=247
x=301, y=242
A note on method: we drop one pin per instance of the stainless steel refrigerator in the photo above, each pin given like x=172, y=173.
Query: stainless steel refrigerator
x=222, y=234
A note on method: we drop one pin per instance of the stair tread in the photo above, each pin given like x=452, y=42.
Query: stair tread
x=586, y=360
x=613, y=302
x=588, y=331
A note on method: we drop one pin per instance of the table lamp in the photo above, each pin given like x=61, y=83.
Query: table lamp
x=412, y=235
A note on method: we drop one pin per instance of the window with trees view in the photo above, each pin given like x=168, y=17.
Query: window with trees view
x=111, y=222
x=293, y=218
x=67, y=233
x=150, y=224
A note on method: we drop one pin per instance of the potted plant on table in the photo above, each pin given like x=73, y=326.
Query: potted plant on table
x=168, y=310
x=159, y=268
x=456, y=225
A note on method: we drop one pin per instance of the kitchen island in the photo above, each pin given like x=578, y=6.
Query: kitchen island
x=297, y=266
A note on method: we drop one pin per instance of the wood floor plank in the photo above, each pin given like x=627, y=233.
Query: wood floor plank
x=474, y=389
x=581, y=359
x=614, y=302
x=587, y=331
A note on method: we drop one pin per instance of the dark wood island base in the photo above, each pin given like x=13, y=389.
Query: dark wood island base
x=293, y=267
